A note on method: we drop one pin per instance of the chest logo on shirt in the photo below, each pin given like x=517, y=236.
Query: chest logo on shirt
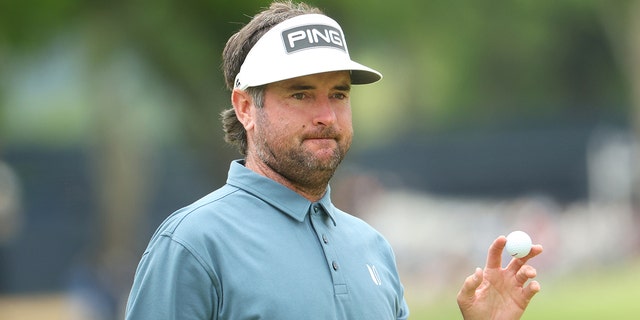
x=374, y=274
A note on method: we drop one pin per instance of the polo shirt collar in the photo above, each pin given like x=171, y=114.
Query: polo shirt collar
x=276, y=194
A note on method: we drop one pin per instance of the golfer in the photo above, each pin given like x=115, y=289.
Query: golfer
x=270, y=244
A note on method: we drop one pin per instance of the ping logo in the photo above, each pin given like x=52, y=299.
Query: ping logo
x=310, y=36
x=374, y=274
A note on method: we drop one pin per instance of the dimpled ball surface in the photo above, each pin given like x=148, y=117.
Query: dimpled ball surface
x=518, y=244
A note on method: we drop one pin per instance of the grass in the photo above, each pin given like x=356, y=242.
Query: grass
x=606, y=293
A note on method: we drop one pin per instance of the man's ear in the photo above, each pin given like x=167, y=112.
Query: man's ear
x=244, y=107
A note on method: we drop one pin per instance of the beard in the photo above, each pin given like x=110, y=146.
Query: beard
x=301, y=166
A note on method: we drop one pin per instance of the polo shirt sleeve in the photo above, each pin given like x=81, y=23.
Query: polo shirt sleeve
x=171, y=282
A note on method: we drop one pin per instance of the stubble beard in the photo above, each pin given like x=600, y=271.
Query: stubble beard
x=298, y=165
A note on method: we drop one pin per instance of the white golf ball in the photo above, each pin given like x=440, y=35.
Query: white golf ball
x=518, y=244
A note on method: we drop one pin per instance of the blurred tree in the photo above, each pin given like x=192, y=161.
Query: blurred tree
x=621, y=20
x=485, y=60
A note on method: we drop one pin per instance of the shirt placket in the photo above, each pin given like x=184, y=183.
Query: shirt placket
x=320, y=222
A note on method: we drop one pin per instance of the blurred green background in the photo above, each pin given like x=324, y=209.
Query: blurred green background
x=492, y=116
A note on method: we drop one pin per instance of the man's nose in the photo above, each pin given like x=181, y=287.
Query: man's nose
x=324, y=113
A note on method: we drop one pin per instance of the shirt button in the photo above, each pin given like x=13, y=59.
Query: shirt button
x=324, y=239
x=335, y=266
x=315, y=209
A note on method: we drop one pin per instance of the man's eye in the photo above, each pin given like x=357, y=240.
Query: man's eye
x=298, y=96
x=340, y=96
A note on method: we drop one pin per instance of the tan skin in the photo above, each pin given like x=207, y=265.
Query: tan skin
x=302, y=132
x=299, y=138
x=496, y=292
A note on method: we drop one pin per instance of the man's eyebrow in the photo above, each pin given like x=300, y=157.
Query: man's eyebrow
x=302, y=87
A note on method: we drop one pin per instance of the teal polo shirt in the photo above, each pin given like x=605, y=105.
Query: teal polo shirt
x=255, y=249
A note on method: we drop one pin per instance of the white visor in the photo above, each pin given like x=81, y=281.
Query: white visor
x=300, y=46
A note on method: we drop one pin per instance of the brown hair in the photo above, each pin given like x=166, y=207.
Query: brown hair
x=236, y=51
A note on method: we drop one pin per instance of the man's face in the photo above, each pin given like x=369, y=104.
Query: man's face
x=304, y=129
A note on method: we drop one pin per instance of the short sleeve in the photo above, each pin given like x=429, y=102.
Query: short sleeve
x=171, y=283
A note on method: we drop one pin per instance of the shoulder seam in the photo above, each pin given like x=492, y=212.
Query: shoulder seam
x=191, y=210
x=212, y=274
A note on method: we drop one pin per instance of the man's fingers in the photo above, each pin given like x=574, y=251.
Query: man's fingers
x=516, y=263
x=471, y=283
x=531, y=290
x=494, y=258
x=524, y=274
x=536, y=249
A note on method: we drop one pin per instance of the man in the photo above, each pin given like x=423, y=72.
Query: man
x=270, y=244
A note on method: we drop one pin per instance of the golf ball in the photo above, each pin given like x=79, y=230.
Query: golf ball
x=518, y=244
